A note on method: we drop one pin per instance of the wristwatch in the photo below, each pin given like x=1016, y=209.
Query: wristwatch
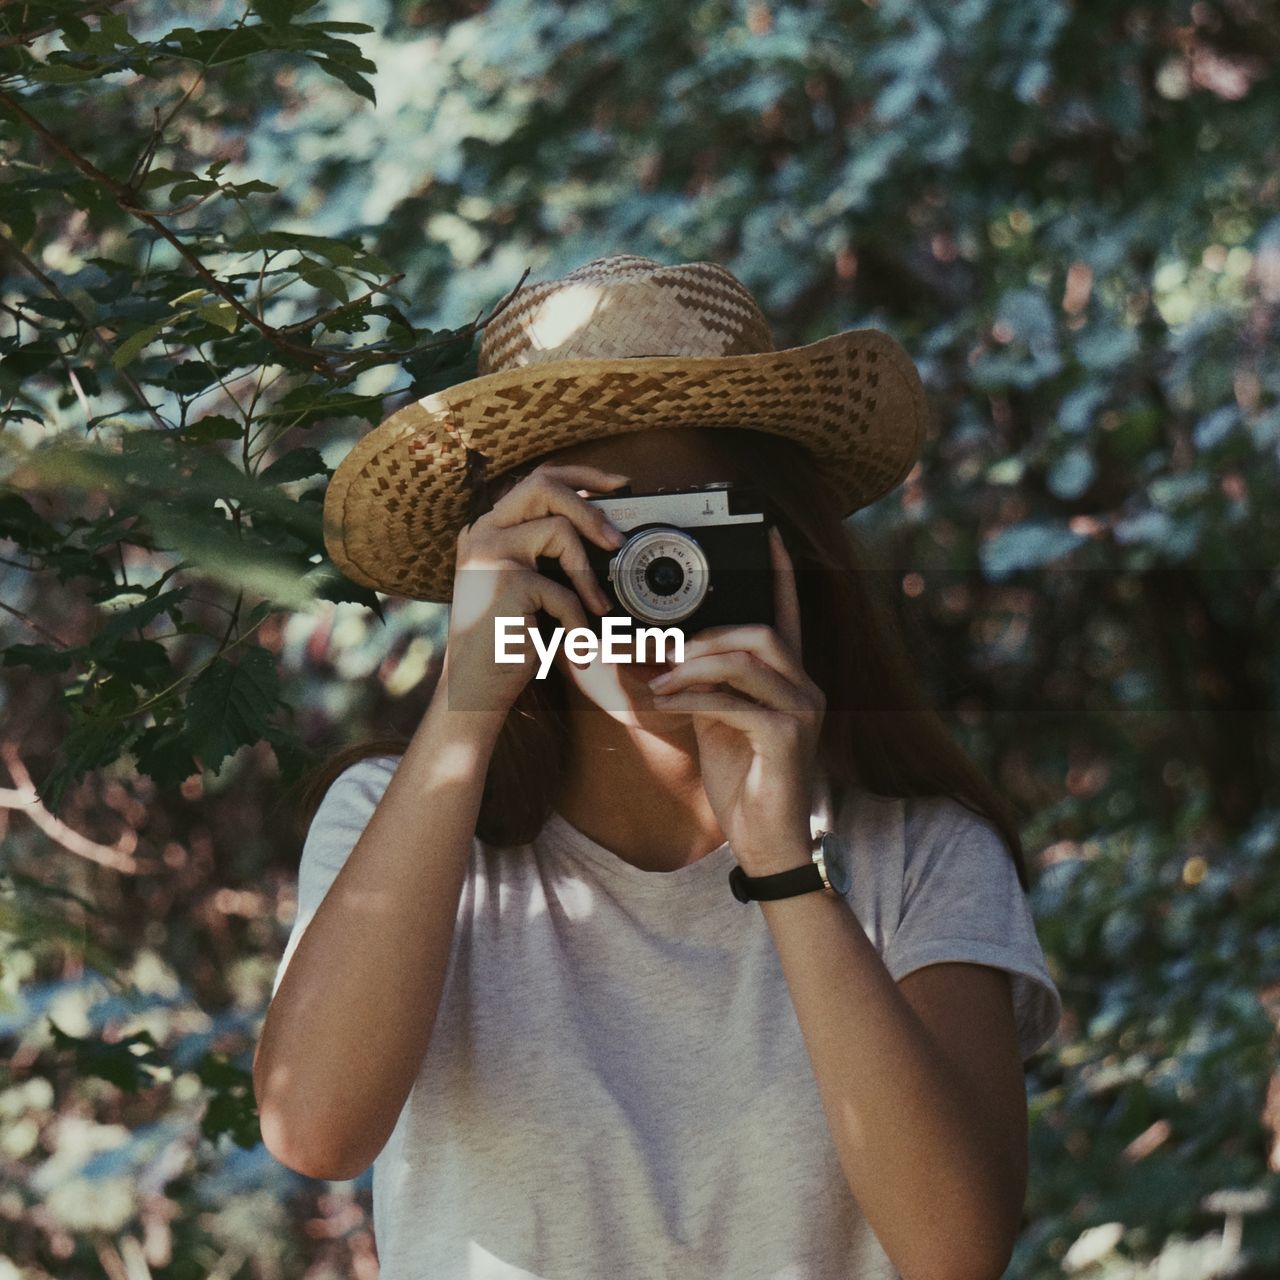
x=828, y=870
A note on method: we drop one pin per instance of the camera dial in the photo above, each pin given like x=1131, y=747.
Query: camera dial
x=660, y=574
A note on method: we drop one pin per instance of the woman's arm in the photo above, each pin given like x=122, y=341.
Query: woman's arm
x=922, y=1086
x=350, y=1022
x=921, y=1082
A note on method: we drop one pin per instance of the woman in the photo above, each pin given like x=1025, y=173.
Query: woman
x=518, y=982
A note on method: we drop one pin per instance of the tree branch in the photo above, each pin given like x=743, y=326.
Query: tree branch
x=117, y=857
x=24, y=36
x=124, y=196
x=327, y=364
x=345, y=307
x=30, y=267
x=31, y=622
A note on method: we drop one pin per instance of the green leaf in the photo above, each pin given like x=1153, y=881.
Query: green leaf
x=242, y=561
x=443, y=366
x=20, y=218
x=308, y=404
x=134, y=615
x=41, y=658
x=348, y=76
x=28, y=360
x=20, y=415
x=56, y=308
x=350, y=28
x=191, y=187
x=163, y=753
x=186, y=377
x=20, y=523
x=116, y=26
x=254, y=186
x=229, y=705
x=118, y=1062
x=353, y=320
x=218, y=45
x=232, y=1108
x=295, y=465
x=62, y=73
x=213, y=426
x=76, y=32
x=132, y=346
x=325, y=278
x=90, y=744
x=331, y=585
x=291, y=755
x=223, y=314
x=144, y=663
x=103, y=532
x=337, y=252
x=158, y=176
x=281, y=12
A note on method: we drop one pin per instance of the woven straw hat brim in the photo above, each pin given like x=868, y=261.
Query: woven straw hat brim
x=395, y=504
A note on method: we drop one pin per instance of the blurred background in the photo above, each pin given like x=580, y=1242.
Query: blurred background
x=233, y=237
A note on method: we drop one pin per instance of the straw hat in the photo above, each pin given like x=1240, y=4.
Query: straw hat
x=620, y=344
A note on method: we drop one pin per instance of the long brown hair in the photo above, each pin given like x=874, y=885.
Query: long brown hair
x=878, y=732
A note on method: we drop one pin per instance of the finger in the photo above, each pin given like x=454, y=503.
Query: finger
x=521, y=544
x=740, y=671
x=755, y=638
x=695, y=688
x=723, y=708
x=786, y=601
x=547, y=491
x=560, y=602
x=556, y=536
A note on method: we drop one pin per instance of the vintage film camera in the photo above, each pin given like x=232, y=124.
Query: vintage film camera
x=695, y=557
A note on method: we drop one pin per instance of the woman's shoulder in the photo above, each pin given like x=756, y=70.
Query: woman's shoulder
x=921, y=831
x=369, y=768
x=946, y=840
x=359, y=783
x=939, y=814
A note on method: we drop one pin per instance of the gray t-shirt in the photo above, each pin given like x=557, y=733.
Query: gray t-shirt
x=617, y=1084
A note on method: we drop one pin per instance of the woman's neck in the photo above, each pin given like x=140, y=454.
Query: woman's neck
x=637, y=793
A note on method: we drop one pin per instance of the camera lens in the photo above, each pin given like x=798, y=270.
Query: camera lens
x=664, y=576
x=660, y=574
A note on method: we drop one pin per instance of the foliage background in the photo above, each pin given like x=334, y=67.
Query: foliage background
x=235, y=236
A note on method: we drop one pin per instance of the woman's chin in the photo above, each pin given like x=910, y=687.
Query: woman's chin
x=642, y=672
x=622, y=689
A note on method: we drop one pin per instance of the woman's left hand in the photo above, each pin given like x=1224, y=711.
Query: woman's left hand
x=757, y=738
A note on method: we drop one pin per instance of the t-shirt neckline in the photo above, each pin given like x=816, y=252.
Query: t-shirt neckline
x=711, y=867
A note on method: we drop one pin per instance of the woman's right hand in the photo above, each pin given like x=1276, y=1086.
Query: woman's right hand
x=543, y=514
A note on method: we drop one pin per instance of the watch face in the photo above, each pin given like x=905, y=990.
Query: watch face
x=836, y=861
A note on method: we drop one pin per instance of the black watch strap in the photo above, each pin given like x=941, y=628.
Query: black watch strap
x=782, y=884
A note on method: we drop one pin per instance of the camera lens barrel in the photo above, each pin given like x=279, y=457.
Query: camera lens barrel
x=661, y=574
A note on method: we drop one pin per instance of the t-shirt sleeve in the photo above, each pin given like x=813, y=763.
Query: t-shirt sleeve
x=961, y=901
x=341, y=817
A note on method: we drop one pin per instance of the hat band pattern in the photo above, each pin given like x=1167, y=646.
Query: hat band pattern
x=612, y=310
